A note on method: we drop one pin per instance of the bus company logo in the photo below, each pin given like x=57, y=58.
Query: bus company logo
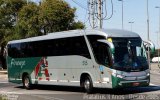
x=17, y=63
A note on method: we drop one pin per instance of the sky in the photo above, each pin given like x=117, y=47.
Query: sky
x=134, y=11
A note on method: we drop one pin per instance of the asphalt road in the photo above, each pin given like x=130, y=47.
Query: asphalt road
x=10, y=91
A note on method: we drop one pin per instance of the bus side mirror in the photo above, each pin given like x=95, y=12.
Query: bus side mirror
x=109, y=43
x=150, y=45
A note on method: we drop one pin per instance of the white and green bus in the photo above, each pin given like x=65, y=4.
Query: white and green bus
x=86, y=58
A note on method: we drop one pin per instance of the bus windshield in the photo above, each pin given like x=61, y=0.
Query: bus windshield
x=129, y=55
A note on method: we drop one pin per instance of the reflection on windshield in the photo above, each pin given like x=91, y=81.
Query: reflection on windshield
x=129, y=54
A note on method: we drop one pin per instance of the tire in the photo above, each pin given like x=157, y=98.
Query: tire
x=26, y=82
x=88, y=85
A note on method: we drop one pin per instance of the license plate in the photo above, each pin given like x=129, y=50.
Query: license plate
x=136, y=84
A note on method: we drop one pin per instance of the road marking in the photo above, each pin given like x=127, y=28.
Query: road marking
x=13, y=93
x=47, y=97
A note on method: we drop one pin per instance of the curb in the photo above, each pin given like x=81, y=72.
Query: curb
x=3, y=72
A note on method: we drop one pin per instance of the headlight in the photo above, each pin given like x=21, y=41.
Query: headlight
x=120, y=76
x=114, y=72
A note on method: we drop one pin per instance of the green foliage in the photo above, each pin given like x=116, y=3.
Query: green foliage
x=56, y=15
x=8, y=12
x=28, y=24
x=8, y=18
x=21, y=20
x=77, y=25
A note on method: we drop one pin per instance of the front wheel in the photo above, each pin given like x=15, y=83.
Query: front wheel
x=26, y=82
x=88, y=86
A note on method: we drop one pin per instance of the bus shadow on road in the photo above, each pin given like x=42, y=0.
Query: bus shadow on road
x=96, y=90
x=124, y=91
x=54, y=88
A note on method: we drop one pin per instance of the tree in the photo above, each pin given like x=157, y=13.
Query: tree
x=77, y=25
x=57, y=15
x=49, y=16
x=28, y=21
x=8, y=18
x=19, y=19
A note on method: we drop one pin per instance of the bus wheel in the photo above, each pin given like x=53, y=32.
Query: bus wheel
x=88, y=86
x=26, y=82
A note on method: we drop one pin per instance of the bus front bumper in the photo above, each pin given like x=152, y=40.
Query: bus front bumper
x=133, y=83
x=122, y=83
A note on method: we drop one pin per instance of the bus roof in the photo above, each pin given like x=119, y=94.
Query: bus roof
x=73, y=33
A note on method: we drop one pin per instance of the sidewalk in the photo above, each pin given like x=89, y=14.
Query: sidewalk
x=154, y=68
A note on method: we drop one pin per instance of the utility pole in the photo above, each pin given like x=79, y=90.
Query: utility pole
x=100, y=13
x=122, y=13
x=91, y=7
x=92, y=13
x=96, y=12
x=148, y=35
x=158, y=7
x=158, y=47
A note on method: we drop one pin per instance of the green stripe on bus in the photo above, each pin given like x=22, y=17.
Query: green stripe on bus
x=17, y=66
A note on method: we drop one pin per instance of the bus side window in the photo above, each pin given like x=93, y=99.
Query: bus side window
x=15, y=51
x=10, y=53
x=80, y=47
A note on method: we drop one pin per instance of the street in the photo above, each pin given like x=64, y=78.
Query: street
x=12, y=91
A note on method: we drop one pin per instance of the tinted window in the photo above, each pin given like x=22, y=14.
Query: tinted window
x=129, y=54
x=100, y=50
x=54, y=47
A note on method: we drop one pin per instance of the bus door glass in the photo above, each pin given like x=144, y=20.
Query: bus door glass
x=102, y=54
x=103, y=58
x=101, y=51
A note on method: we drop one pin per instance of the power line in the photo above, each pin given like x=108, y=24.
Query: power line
x=91, y=9
x=87, y=10
x=79, y=4
x=98, y=11
x=105, y=18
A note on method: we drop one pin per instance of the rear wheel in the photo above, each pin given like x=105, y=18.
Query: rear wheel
x=88, y=85
x=26, y=82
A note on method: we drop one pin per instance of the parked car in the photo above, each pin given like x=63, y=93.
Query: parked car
x=155, y=59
